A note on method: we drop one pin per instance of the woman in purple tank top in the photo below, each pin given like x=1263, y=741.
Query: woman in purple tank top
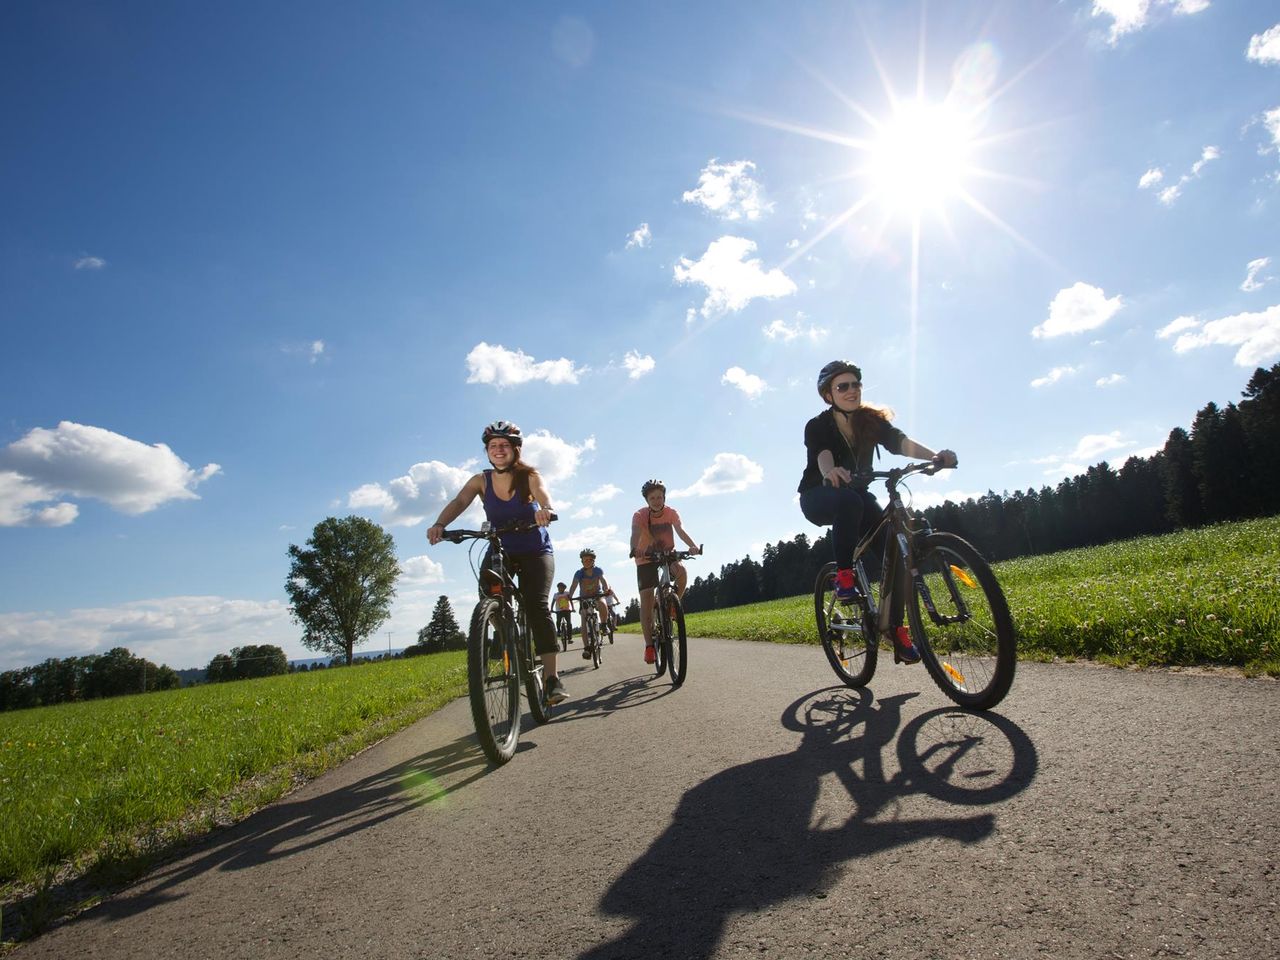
x=513, y=490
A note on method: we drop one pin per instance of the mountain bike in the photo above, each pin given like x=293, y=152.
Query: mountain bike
x=611, y=621
x=564, y=631
x=591, y=628
x=500, y=652
x=959, y=618
x=670, y=643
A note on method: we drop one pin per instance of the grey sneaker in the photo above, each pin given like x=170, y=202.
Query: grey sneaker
x=556, y=693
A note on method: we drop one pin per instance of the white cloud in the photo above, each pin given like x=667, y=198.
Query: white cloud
x=1053, y=376
x=421, y=570
x=1092, y=446
x=601, y=494
x=1271, y=120
x=1256, y=334
x=1265, y=47
x=923, y=500
x=748, y=383
x=732, y=281
x=505, y=368
x=1209, y=153
x=555, y=458
x=90, y=263
x=604, y=539
x=1110, y=380
x=639, y=237
x=74, y=460
x=1177, y=326
x=1172, y=192
x=1251, y=281
x=1188, y=7
x=1129, y=16
x=727, y=189
x=182, y=632
x=1151, y=178
x=636, y=365
x=1078, y=308
x=416, y=497
x=585, y=513
x=728, y=473
x=317, y=350
x=782, y=330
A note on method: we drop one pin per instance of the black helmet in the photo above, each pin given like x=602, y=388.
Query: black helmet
x=587, y=552
x=650, y=485
x=833, y=370
x=560, y=585
x=505, y=429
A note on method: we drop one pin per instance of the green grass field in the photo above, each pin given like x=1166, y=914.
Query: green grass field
x=1208, y=596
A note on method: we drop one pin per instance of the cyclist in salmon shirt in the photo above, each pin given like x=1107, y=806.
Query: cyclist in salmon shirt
x=513, y=491
x=654, y=528
x=590, y=582
x=841, y=442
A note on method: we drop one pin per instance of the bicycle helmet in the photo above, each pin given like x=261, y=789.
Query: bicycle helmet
x=587, y=552
x=650, y=485
x=505, y=429
x=833, y=370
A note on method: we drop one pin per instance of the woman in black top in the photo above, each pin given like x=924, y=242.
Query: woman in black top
x=841, y=442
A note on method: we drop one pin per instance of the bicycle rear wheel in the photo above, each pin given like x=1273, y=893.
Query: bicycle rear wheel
x=676, y=640
x=531, y=669
x=845, y=631
x=493, y=682
x=594, y=634
x=960, y=622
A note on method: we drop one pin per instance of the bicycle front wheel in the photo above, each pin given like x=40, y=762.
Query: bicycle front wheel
x=960, y=622
x=847, y=637
x=676, y=641
x=658, y=632
x=493, y=682
x=595, y=646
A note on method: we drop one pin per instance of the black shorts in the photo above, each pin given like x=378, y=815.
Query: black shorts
x=647, y=576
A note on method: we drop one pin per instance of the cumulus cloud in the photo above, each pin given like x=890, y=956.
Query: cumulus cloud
x=1172, y=192
x=1078, y=308
x=556, y=459
x=1256, y=334
x=421, y=570
x=507, y=368
x=1174, y=327
x=1129, y=16
x=1053, y=376
x=417, y=496
x=636, y=365
x=748, y=383
x=1150, y=178
x=182, y=632
x=786, y=332
x=90, y=263
x=1265, y=47
x=1251, y=281
x=728, y=190
x=639, y=237
x=728, y=473
x=1110, y=380
x=75, y=460
x=732, y=280
x=601, y=494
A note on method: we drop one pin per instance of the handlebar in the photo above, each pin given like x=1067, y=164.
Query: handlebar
x=515, y=526
x=927, y=467
x=666, y=556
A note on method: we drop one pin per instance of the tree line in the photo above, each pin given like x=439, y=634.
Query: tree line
x=1226, y=467
x=92, y=677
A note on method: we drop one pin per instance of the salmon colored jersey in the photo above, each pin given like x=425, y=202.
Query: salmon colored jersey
x=653, y=533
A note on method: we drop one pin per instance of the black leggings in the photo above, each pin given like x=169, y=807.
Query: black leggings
x=534, y=574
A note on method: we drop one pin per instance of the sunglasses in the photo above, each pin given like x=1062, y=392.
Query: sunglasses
x=846, y=386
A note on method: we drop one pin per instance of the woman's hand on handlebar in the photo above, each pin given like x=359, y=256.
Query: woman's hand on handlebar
x=543, y=517
x=435, y=533
x=946, y=459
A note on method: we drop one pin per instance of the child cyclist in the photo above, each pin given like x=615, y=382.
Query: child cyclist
x=563, y=607
x=591, y=583
x=653, y=528
x=841, y=442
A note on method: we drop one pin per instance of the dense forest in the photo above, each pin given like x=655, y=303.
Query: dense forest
x=1224, y=468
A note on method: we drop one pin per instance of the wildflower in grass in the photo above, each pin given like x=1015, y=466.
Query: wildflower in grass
x=1180, y=622
x=1211, y=616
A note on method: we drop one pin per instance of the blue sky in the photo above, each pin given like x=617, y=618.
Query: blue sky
x=263, y=264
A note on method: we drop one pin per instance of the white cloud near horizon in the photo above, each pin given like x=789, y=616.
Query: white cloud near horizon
x=495, y=364
x=728, y=473
x=85, y=462
x=639, y=237
x=1053, y=376
x=1076, y=309
x=729, y=191
x=1251, y=281
x=748, y=383
x=786, y=332
x=637, y=365
x=1256, y=334
x=90, y=263
x=732, y=280
x=1265, y=47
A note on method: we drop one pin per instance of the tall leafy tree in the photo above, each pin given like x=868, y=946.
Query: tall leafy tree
x=442, y=632
x=342, y=583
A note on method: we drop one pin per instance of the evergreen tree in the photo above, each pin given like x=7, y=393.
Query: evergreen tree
x=442, y=632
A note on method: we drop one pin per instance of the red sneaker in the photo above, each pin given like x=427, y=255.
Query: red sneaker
x=904, y=651
x=649, y=656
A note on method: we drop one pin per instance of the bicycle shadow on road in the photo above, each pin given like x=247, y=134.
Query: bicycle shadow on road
x=619, y=695
x=765, y=832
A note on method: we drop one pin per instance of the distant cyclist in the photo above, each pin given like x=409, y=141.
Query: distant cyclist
x=563, y=607
x=654, y=528
x=513, y=491
x=842, y=441
x=589, y=582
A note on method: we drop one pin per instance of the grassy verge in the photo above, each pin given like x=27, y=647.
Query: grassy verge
x=89, y=786
x=1198, y=597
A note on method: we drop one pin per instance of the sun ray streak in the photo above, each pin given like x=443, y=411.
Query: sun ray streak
x=991, y=217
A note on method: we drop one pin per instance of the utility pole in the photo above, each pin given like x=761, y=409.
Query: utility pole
x=388, y=643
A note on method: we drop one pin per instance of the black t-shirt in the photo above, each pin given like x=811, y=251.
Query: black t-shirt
x=821, y=433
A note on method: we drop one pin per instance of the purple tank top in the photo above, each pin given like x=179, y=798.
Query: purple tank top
x=501, y=511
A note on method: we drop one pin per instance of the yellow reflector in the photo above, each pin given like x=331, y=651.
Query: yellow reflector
x=963, y=576
x=953, y=673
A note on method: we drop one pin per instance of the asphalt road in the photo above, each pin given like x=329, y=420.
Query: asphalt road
x=759, y=811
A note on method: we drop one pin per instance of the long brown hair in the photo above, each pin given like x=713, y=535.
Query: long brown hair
x=863, y=422
x=520, y=474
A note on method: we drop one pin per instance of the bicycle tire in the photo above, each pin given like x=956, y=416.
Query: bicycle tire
x=659, y=631
x=595, y=646
x=852, y=655
x=493, y=683
x=677, y=642
x=531, y=671
x=966, y=640
x=563, y=632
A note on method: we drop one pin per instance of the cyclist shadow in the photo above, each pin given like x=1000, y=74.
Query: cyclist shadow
x=773, y=830
x=619, y=695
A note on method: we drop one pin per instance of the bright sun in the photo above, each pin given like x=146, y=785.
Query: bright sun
x=920, y=158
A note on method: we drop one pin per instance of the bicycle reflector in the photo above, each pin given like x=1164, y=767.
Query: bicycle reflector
x=953, y=673
x=491, y=583
x=963, y=577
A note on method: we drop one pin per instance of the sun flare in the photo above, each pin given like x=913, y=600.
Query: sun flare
x=921, y=157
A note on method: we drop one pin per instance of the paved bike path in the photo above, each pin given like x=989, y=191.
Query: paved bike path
x=758, y=811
